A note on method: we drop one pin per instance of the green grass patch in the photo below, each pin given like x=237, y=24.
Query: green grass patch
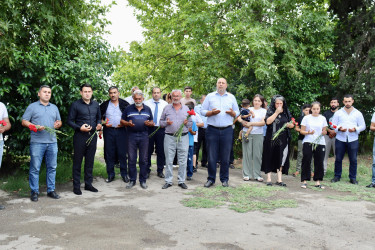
x=344, y=198
x=247, y=197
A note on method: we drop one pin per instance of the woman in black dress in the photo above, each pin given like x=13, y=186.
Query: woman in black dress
x=276, y=152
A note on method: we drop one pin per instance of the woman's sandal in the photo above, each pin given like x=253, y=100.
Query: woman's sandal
x=319, y=186
x=281, y=184
x=304, y=185
x=269, y=183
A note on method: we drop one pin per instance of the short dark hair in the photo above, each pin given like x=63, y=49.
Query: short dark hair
x=87, y=85
x=305, y=106
x=245, y=102
x=44, y=86
x=335, y=99
x=190, y=105
x=165, y=96
x=348, y=96
x=152, y=91
x=188, y=87
x=112, y=87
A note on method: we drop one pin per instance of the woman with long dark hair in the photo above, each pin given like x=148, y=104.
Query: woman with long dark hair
x=253, y=148
x=276, y=151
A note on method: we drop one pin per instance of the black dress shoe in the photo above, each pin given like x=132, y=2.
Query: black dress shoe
x=208, y=184
x=189, y=178
x=204, y=166
x=231, y=166
x=34, y=197
x=225, y=184
x=53, y=195
x=166, y=185
x=161, y=175
x=353, y=181
x=90, y=188
x=335, y=180
x=2, y=207
x=182, y=185
x=109, y=179
x=77, y=191
x=130, y=185
x=125, y=179
x=143, y=185
x=372, y=185
x=195, y=170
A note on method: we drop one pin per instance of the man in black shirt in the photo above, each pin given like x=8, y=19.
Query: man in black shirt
x=330, y=137
x=137, y=118
x=84, y=118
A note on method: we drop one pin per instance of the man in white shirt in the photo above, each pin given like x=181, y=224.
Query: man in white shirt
x=157, y=106
x=4, y=126
x=350, y=123
x=188, y=91
x=129, y=99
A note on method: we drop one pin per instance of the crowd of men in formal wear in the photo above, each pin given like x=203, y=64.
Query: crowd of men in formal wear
x=133, y=129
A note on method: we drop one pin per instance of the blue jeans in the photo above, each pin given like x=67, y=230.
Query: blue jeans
x=1, y=151
x=341, y=148
x=190, y=166
x=219, y=145
x=373, y=164
x=37, y=152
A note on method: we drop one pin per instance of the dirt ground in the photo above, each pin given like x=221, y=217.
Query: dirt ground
x=117, y=218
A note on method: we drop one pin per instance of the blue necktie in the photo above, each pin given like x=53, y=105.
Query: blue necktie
x=156, y=113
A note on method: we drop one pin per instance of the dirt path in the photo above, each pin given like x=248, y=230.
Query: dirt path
x=117, y=218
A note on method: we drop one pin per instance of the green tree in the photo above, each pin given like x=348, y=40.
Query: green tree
x=259, y=46
x=52, y=42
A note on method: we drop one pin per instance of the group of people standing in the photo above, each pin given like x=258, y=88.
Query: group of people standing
x=134, y=128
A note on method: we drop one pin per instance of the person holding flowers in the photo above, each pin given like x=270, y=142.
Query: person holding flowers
x=221, y=108
x=276, y=142
x=39, y=116
x=84, y=117
x=176, y=122
x=314, y=128
x=350, y=123
x=156, y=133
x=115, y=136
x=4, y=126
x=137, y=118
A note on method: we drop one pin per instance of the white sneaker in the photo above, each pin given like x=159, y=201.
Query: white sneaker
x=246, y=178
x=175, y=166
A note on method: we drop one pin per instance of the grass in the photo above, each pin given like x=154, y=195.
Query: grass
x=247, y=197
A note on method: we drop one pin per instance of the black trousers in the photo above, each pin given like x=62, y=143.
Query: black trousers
x=201, y=143
x=115, y=149
x=156, y=140
x=318, y=154
x=81, y=149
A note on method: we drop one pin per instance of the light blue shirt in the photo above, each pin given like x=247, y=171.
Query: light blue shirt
x=113, y=114
x=38, y=114
x=354, y=119
x=198, y=110
x=223, y=103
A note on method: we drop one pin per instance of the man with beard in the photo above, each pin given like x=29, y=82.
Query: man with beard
x=350, y=123
x=115, y=136
x=137, y=117
x=330, y=137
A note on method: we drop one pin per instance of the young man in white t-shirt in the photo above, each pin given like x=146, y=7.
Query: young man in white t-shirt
x=4, y=126
x=372, y=128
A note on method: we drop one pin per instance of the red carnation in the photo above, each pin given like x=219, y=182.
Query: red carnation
x=334, y=126
x=191, y=112
x=2, y=122
x=330, y=123
x=33, y=128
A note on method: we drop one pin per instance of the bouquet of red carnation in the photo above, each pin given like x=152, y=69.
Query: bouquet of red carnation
x=315, y=143
x=52, y=131
x=278, y=132
x=3, y=123
x=179, y=131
